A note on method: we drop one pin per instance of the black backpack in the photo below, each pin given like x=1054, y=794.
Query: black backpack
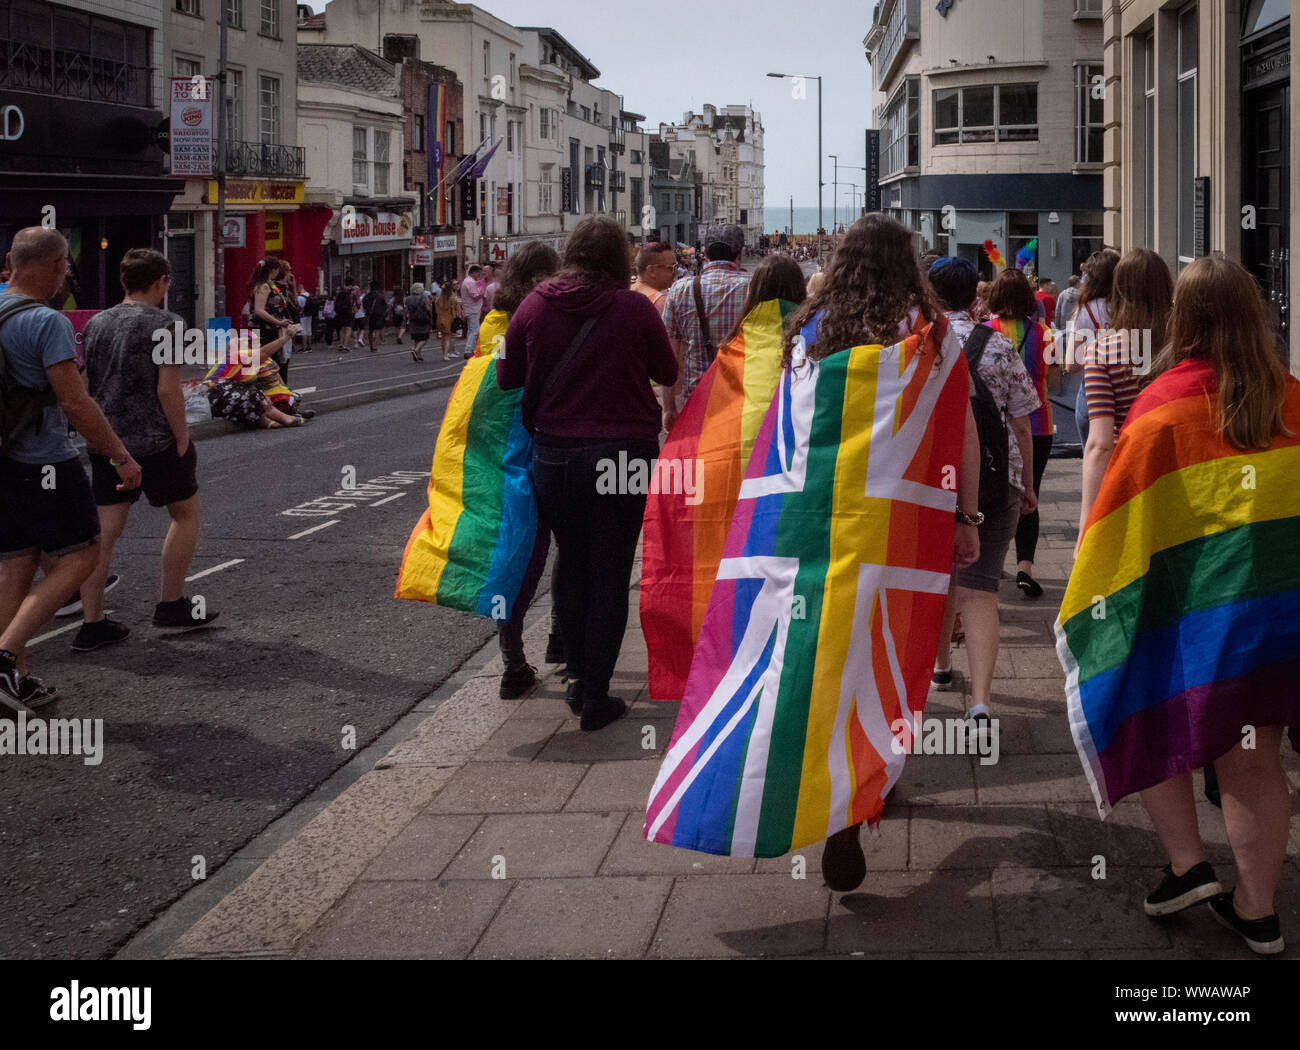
x=20, y=406
x=995, y=456
x=343, y=307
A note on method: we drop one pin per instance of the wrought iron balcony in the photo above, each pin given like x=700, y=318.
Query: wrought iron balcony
x=265, y=159
x=596, y=176
x=617, y=140
x=66, y=73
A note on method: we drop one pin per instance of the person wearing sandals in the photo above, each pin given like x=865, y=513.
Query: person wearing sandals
x=975, y=590
x=1015, y=308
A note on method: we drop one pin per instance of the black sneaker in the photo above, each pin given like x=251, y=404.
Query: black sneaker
x=1177, y=892
x=74, y=606
x=21, y=693
x=179, y=615
x=94, y=636
x=943, y=679
x=844, y=865
x=597, y=714
x=573, y=695
x=1264, y=936
x=517, y=681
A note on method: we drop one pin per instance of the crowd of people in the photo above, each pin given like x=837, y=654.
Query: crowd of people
x=607, y=351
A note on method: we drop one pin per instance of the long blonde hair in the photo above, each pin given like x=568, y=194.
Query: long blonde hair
x=1218, y=316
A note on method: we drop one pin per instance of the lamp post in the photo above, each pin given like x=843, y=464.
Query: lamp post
x=820, y=184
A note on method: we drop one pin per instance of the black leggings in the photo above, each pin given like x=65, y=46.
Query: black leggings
x=1027, y=532
x=595, y=535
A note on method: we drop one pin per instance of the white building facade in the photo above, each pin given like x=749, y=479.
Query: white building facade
x=725, y=147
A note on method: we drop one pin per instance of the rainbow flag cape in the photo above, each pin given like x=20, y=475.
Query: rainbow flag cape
x=819, y=640
x=1181, y=622
x=471, y=546
x=267, y=376
x=685, y=532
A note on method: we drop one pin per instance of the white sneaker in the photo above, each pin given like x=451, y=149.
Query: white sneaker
x=74, y=607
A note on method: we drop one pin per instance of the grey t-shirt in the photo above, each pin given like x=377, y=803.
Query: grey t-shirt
x=123, y=377
x=34, y=340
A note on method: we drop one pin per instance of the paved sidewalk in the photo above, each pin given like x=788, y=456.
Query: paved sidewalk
x=498, y=829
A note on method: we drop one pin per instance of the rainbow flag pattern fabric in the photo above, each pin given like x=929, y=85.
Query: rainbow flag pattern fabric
x=471, y=546
x=1181, y=622
x=685, y=533
x=820, y=636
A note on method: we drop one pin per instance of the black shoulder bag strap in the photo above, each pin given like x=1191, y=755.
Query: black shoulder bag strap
x=709, y=347
x=975, y=344
x=565, y=364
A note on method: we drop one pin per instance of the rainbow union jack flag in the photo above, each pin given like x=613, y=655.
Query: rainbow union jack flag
x=822, y=628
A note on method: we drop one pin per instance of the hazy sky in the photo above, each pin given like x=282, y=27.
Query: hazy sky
x=667, y=57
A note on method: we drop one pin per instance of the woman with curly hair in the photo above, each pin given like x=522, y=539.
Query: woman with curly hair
x=874, y=294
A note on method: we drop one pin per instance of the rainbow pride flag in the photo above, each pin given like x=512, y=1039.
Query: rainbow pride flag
x=816, y=651
x=1181, y=622
x=471, y=546
x=685, y=533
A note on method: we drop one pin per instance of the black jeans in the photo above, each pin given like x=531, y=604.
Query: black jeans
x=595, y=538
x=1027, y=532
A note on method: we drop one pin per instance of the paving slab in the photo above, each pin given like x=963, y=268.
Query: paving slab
x=631, y=854
x=1065, y=909
x=518, y=740
x=750, y=916
x=612, y=917
x=911, y=911
x=1032, y=778
x=628, y=738
x=508, y=787
x=536, y=845
x=621, y=785
x=981, y=837
x=423, y=848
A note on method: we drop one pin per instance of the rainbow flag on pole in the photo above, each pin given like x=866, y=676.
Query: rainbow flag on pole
x=1181, y=622
x=471, y=546
x=685, y=533
x=815, y=654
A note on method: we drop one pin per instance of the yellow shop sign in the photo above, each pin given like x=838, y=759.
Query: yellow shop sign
x=255, y=191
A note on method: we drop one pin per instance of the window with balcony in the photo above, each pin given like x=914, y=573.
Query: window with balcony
x=1089, y=113
x=360, y=159
x=268, y=109
x=235, y=14
x=986, y=113
x=270, y=18
x=382, y=161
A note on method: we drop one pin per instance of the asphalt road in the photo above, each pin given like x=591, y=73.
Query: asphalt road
x=209, y=737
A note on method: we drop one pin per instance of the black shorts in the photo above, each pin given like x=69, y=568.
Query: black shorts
x=45, y=507
x=165, y=478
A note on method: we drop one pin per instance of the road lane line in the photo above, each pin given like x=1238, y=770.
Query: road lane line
x=306, y=390
x=388, y=499
x=58, y=631
x=315, y=528
x=215, y=568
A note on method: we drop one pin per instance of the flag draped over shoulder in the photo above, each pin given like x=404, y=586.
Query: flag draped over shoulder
x=823, y=625
x=472, y=545
x=1181, y=622
x=685, y=532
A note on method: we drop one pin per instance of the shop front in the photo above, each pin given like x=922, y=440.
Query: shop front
x=94, y=171
x=373, y=246
x=435, y=259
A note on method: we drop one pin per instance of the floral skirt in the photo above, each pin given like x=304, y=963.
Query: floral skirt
x=241, y=403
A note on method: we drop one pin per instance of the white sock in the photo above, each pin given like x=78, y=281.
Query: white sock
x=977, y=709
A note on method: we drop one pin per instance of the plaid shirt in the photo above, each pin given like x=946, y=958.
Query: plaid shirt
x=724, y=286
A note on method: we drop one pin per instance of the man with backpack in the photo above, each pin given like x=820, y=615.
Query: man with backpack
x=1002, y=399
x=701, y=311
x=46, y=503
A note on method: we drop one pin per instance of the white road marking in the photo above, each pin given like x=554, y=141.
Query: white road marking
x=58, y=631
x=215, y=568
x=306, y=390
x=388, y=499
x=315, y=528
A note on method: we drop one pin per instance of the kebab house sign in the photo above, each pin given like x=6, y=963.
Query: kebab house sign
x=363, y=229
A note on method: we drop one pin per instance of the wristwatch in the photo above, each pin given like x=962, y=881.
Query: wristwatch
x=970, y=519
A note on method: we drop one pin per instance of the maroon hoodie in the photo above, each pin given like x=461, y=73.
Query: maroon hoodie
x=607, y=393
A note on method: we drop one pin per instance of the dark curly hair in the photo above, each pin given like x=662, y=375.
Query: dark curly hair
x=872, y=284
x=523, y=271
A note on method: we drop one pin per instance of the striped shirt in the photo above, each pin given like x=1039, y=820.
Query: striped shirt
x=1109, y=383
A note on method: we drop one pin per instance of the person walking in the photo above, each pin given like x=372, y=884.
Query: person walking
x=417, y=319
x=373, y=310
x=347, y=301
x=1003, y=387
x=1141, y=299
x=701, y=311
x=1091, y=316
x=526, y=269
x=584, y=347
x=472, y=292
x=1014, y=307
x=1196, y=662
x=446, y=308
x=46, y=504
x=144, y=403
x=1066, y=303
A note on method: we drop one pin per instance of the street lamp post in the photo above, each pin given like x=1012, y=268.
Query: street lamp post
x=820, y=183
